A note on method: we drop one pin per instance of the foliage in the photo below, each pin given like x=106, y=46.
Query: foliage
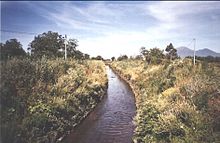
x=97, y=58
x=138, y=57
x=52, y=45
x=207, y=59
x=176, y=102
x=154, y=55
x=113, y=58
x=46, y=44
x=11, y=48
x=123, y=57
x=71, y=47
x=146, y=54
x=172, y=52
x=43, y=99
x=87, y=56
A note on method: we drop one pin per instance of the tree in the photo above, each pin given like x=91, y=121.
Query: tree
x=97, y=58
x=131, y=58
x=51, y=44
x=113, y=58
x=78, y=55
x=123, y=57
x=11, y=48
x=146, y=54
x=144, y=51
x=71, y=49
x=153, y=55
x=87, y=56
x=172, y=52
x=138, y=57
x=2, y=52
x=156, y=55
x=47, y=44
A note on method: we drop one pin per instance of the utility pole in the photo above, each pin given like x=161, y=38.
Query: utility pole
x=65, y=42
x=194, y=54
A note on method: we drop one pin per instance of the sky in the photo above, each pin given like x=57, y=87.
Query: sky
x=114, y=28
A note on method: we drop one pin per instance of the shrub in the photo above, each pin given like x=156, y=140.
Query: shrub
x=176, y=101
x=42, y=100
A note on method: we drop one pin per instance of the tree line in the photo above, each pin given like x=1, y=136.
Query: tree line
x=153, y=55
x=207, y=59
x=52, y=44
x=49, y=44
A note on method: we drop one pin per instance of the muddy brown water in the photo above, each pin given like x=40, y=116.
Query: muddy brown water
x=111, y=120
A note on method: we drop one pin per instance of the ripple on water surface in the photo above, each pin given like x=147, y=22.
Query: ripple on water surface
x=111, y=121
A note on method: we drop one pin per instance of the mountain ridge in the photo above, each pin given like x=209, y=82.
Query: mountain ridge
x=185, y=51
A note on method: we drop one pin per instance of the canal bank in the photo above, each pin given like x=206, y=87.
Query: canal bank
x=111, y=120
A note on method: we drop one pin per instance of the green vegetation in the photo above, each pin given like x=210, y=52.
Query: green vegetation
x=97, y=58
x=123, y=57
x=113, y=58
x=48, y=44
x=172, y=52
x=176, y=102
x=208, y=59
x=152, y=56
x=52, y=45
x=11, y=48
x=42, y=96
x=41, y=99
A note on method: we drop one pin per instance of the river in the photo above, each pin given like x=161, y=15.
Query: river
x=111, y=120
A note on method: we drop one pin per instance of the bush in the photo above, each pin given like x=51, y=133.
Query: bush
x=176, y=102
x=42, y=100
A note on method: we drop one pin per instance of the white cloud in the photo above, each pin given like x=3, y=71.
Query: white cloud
x=172, y=11
x=174, y=21
x=114, y=28
x=96, y=15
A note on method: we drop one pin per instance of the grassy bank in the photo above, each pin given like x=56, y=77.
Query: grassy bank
x=176, y=102
x=43, y=99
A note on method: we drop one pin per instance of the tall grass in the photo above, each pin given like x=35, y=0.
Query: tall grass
x=41, y=100
x=176, y=102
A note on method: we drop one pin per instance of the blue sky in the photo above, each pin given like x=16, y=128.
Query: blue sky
x=111, y=28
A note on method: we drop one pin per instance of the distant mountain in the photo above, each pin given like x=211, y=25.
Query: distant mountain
x=184, y=52
x=207, y=52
